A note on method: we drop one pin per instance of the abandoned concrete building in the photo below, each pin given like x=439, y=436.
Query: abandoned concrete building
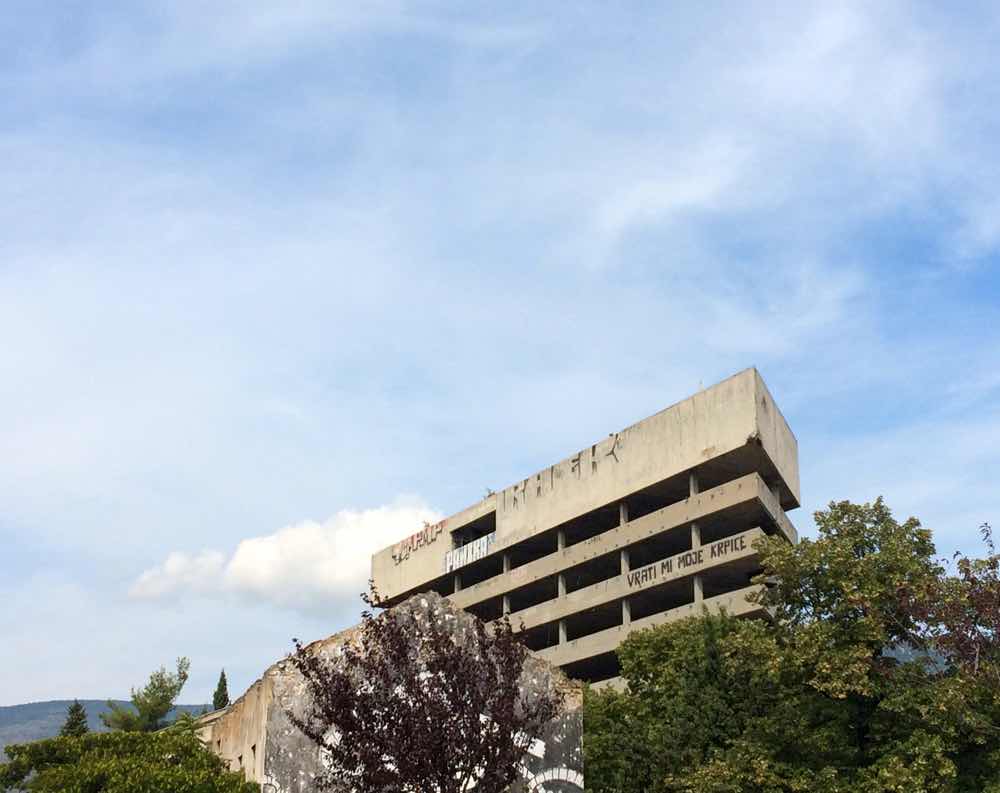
x=648, y=525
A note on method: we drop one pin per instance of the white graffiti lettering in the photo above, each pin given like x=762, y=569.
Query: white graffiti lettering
x=467, y=554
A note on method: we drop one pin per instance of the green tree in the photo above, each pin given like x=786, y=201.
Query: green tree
x=878, y=673
x=76, y=721
x=696, y=686
x=170, y=761
x=151, y=703
x=220, y=698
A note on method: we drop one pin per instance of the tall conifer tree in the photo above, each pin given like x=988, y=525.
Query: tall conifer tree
x=221, y=697
x=76, y=721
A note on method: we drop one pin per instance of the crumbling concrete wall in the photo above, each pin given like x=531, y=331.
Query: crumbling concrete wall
x=238, y=734
x=255, y=733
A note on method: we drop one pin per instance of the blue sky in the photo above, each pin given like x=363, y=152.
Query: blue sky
x=279, y=280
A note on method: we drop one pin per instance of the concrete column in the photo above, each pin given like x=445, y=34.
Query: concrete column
x=562, y=631
x=560, y=539
x=624, y=561
x=505, y=600
x=622, y=513
x=458, y=582
x=562, y=585
x=694, y=487
x=776, y=492
x=626, y=612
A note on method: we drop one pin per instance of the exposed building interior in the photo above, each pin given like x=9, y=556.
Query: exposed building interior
x=655, y=523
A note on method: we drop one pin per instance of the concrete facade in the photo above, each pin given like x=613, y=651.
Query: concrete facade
x=255, y=735
x=650, y=524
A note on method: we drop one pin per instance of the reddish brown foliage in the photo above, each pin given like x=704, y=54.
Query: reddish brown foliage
x=960, y=613
x=423, y=702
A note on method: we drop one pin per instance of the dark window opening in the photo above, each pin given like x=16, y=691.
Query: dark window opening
x=662, y=494
x=593, y=670
x=592, y=571
x=593, y=620
x=484, y=569
x=593, y=523
x=480, y=527
x=533, y=594
x=735, y=520
x=488, y=610
x=542, y=636
x=662, y=598
x=747, y=459
x=659, y=546
x=532, y=549
x=729, y=578
x=444, y=586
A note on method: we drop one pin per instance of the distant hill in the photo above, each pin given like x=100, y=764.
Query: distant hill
x=36, y=720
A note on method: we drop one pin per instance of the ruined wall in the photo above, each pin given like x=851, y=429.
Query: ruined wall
x=238, y=733
x=257, y=729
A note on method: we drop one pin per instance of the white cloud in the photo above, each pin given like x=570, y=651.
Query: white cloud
x=306, y=565
x=180, y=572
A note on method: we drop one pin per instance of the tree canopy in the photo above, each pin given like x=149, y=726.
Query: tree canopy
x=878, y=673
x=422, y=702
x=171, y=761
x=152, y=702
